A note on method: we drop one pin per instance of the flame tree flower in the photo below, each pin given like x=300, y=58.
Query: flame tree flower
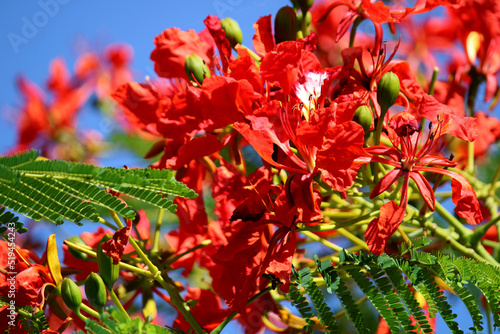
x=410, y=160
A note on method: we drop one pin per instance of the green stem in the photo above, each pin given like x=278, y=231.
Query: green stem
x=118, y=304
x=117, y=220
x=486, y=256
x=353, y=238
x=89, y=310
x=433, y=80
x=481, y=231
x=445, y=235
x=81, y=316
x=87, y=250
x=175, y=298
x=318, y=228
x=201, y=245
x=223, y=324
x=108, y=224
x=156, y=237
x=380, y=125
x=470, y=158
x=491, y=192
x=355, y=25
x=488, y=319
x=322, y=241
x=463, y=231
x=342, y=214
x=405, y=237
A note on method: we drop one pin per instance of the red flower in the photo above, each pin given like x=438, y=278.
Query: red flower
x=409, y=161
x=172, y=48
x=115, y=247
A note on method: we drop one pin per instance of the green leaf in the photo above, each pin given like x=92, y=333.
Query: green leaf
x=61, y=190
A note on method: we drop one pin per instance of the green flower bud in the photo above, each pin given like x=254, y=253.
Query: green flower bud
x=363, y=117
x=75, y=253
x=308, y=18
x=109, y=272
x=96, y=292
x=196, y=69
x=304, y=5
x=387, y=91
x=70, y=293
x=285, y=25
x=232, y=30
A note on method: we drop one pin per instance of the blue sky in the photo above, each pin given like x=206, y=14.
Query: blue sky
x=33, y=33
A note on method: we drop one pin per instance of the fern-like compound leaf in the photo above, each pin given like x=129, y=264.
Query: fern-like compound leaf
x=61, y=190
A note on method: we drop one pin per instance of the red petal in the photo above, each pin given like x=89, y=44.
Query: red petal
x=172, y=47
x=114, y=247
x=244, y=67
x=278, y=261
x=378, y=12
x=196, y=149
x=213, y=25
x=336, y=161
x=453, y=123
x=287, y=63
x=463, y=196
x=388, y=180
x=140, y=103
x=263, y=40
x=382, y=228
x=425, y=189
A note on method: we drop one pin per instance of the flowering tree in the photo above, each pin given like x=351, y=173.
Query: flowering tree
x=310, y=175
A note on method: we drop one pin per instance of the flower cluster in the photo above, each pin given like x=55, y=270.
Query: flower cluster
x=304, y=137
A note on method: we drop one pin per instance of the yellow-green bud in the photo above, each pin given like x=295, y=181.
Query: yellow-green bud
x=232, y=30
x=96, y=292
x=77, y=254
x=285, y=25
x=109, y=272
x=70, y=293
x=196, y=69
x=387, y=91
x=363, y=117
x=308, y=18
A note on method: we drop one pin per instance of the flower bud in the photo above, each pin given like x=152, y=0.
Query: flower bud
x=70, y=293
x=304, y=5
x=285, y=25
x=363, y=117
x=196, y=69
x=387, y=91
x=75, y=253
x=109, y=272
x=232, y=30
x=96, y=292
x=308, y=18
